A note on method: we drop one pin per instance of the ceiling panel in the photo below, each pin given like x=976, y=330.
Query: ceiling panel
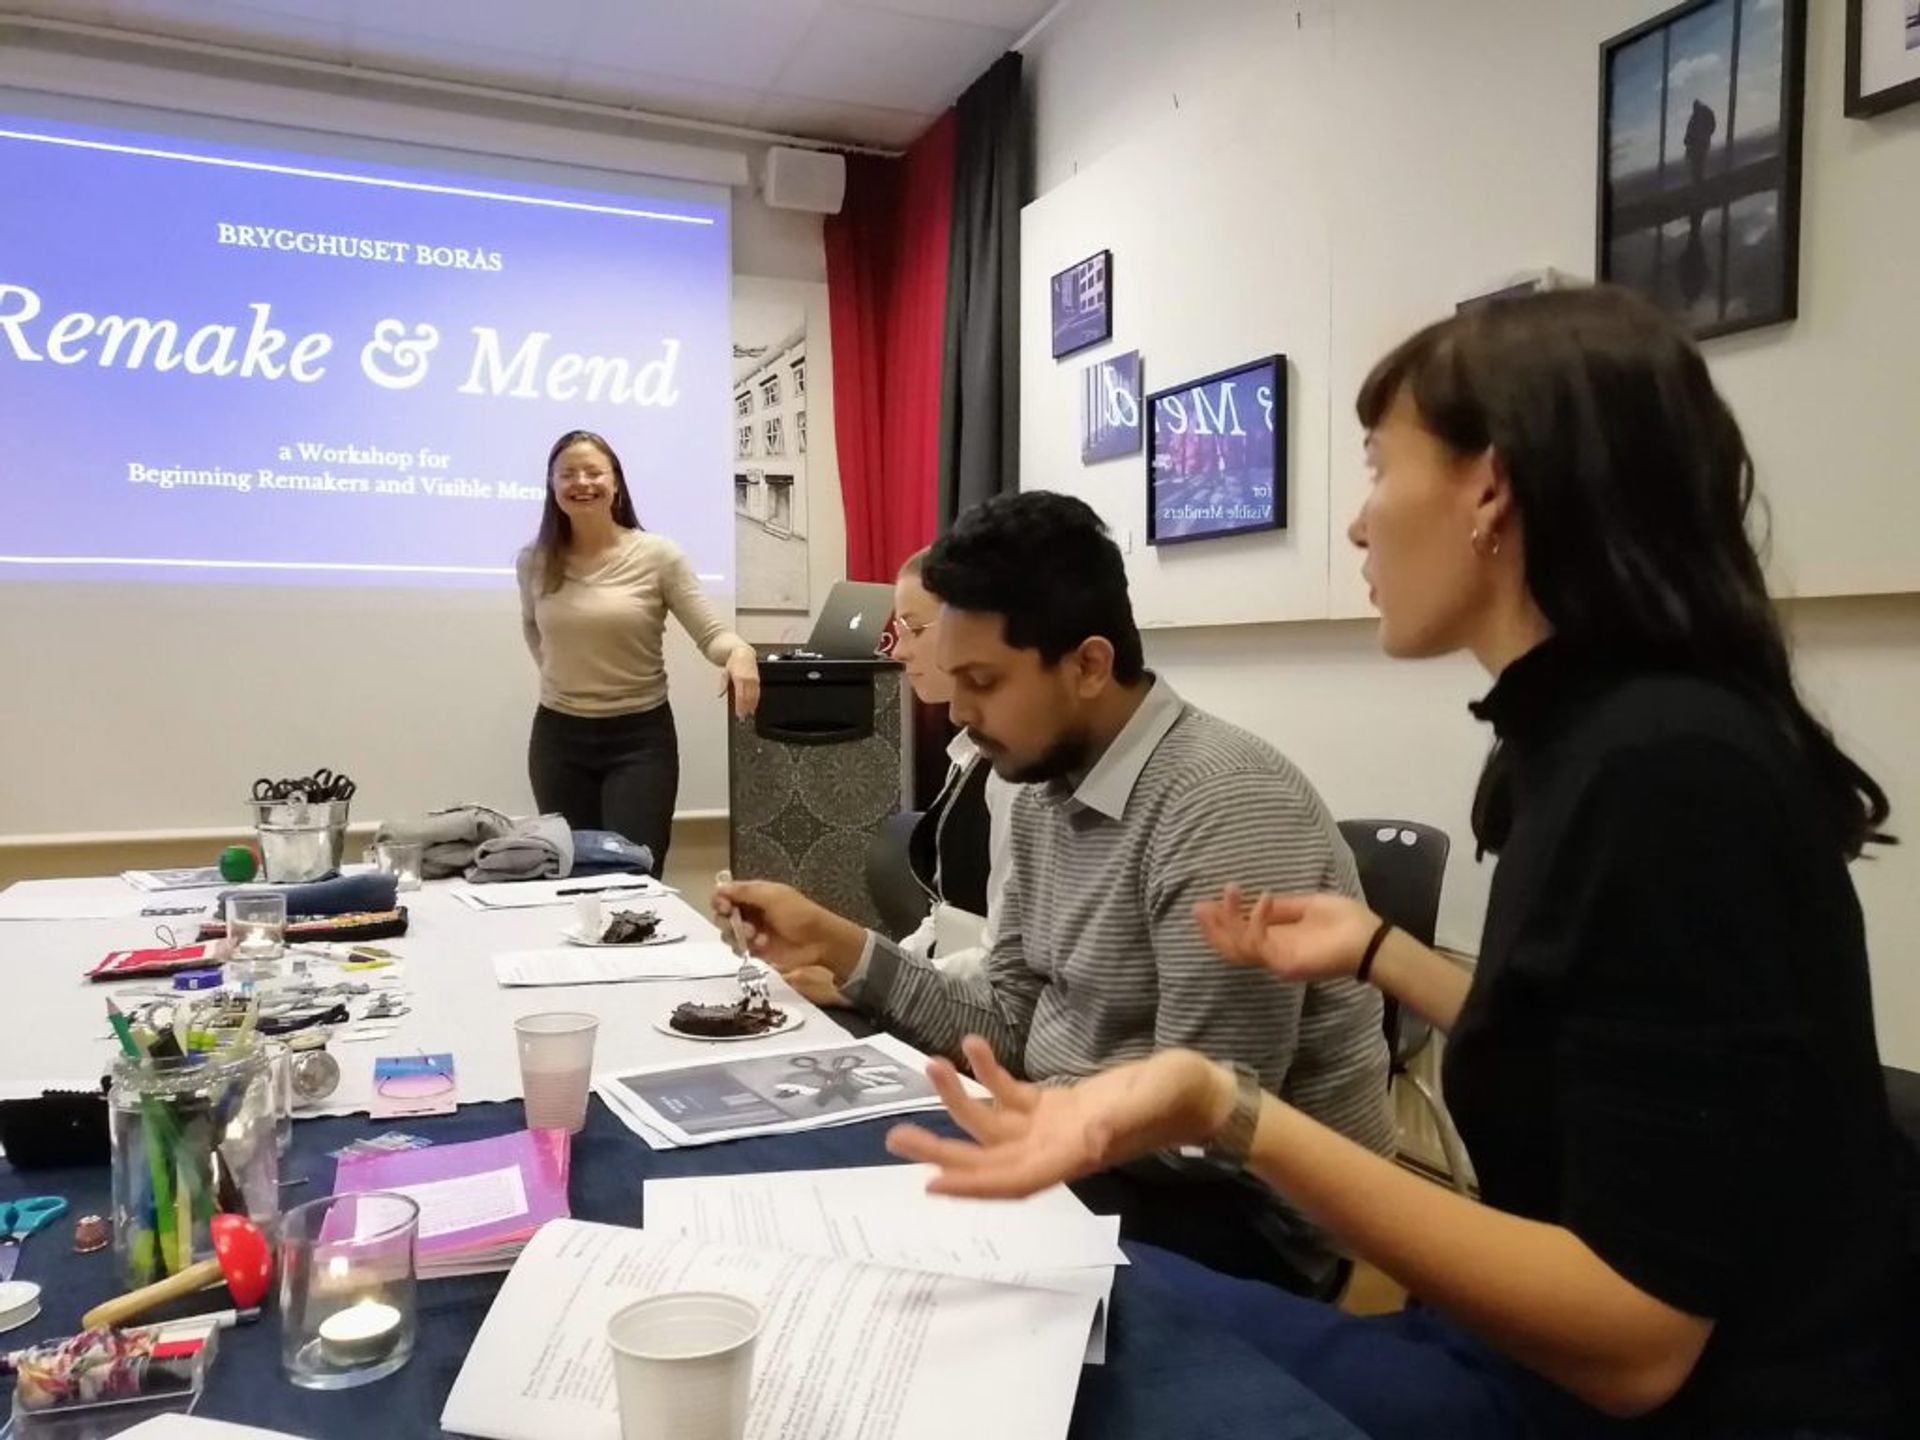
x=663, y=94
x=725, y=42
x=1019, y=16
x=871, y=72
x=837, y=120
x=866, y=56
x=542, y=31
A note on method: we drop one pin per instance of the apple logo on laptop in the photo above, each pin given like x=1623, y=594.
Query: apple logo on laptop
x=854, y=623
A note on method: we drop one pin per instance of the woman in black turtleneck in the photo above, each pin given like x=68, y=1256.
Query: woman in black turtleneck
x=1664, y=1063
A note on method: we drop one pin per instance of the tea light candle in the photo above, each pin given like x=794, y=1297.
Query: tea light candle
x=361, y=1334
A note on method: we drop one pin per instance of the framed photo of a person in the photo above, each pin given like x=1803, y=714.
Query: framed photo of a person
x=1699, y=203
x=1883, y=55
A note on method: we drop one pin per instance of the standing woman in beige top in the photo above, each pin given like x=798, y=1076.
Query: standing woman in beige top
x=595, y=591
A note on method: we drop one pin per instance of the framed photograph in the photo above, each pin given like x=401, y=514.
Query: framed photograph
x=1083, y=304
x=1699, y=204
x=1883, y=55
x=1217, y=454
x=1110, y=408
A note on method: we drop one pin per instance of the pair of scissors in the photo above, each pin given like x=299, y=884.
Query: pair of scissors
x=18, y=1220
x=834, y=1077
x=265, y=789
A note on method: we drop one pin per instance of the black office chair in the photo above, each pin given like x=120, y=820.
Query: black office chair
x=1402, y=864
x=897, y=894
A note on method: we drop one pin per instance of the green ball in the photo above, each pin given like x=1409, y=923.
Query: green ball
x=237, y=864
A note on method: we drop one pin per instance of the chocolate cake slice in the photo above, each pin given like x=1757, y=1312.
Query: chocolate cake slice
x=743, y=1017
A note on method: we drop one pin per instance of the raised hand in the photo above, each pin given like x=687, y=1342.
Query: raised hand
x=1035, y=1136
x=1297, y=937
x=779, y=925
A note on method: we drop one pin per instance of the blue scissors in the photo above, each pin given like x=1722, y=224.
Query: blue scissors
x=18, y=1220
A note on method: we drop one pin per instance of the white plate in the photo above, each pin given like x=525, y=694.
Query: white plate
x=795, y=1019
x=661, y=936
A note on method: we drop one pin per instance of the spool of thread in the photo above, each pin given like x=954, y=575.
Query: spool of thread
x=237, y=864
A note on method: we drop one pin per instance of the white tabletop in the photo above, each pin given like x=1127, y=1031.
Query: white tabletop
x=57, y=1036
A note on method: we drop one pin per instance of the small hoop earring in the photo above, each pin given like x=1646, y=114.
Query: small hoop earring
x=1493, y=548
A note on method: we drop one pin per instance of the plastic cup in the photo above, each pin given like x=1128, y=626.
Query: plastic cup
x=589, y=920
x=556, y=1067
x=683, y=1365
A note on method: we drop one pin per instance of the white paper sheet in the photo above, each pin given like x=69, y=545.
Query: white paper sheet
x=532, y=894
x=98, y=898
x=193, y=1427
x=846, y=1352
x=883, y=1215
x=575, y=965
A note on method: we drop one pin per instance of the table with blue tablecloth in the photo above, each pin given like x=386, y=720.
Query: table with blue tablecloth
x=1169, y=1373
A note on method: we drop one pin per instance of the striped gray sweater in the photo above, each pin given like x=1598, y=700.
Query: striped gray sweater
x=1097, y=958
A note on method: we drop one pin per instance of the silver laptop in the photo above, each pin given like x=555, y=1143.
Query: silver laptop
x=852, y=622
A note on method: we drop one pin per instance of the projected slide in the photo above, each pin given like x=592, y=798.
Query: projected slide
x=233, y=364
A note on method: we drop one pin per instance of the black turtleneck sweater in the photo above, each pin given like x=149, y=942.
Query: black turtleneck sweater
x=1668, y=1046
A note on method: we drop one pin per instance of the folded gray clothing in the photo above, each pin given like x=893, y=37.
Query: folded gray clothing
x=448, y=838
x=537, y=849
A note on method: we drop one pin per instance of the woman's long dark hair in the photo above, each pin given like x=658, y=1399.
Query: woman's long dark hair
x=1633, y=485
x=550, y=544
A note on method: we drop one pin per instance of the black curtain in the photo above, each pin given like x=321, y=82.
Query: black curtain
x=980, y=374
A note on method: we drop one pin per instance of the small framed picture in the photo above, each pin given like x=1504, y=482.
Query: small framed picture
x=1699, y=205
x=1883, y=55
x=1110, y=408
x=1083, y=304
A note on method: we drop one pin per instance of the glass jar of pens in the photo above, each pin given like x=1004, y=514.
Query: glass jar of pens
x=192, y=1125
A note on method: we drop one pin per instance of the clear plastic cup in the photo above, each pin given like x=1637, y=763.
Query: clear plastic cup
x=556, y=1067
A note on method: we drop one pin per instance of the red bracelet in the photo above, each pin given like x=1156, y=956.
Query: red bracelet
x=1373, y=949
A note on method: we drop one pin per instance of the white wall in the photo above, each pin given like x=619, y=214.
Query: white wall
x=1449, y=146
x=134, y=716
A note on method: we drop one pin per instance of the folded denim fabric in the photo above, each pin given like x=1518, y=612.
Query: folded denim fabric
x=596, y=852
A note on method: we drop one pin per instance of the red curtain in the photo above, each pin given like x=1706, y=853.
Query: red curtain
x=887, y=298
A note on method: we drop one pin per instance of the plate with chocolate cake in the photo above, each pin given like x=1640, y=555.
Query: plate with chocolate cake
x=747, y=1018
x=624, y=927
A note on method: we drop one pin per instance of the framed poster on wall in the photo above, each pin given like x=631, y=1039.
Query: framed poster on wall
x=1883, y=55
x=1217, y=454
x=1699, y=204
x=1082, y=304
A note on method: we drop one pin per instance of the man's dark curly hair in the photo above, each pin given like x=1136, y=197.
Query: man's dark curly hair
x=1045, y=564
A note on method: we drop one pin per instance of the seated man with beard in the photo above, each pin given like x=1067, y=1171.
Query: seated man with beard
x=1135, y=806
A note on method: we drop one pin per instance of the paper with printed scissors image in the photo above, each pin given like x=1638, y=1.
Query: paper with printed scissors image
x=809, y=1088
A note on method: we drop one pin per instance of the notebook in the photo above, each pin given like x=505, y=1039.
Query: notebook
x=480, y=1202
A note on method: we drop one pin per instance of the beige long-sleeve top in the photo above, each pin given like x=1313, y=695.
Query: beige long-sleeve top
x=599, y=638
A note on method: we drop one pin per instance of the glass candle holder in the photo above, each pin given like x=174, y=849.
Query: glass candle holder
x=347, y=1307
x=256, y=937
x=400, y=859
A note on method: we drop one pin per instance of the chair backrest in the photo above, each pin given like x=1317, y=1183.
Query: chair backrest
x=898, y=897
x=1402, y=864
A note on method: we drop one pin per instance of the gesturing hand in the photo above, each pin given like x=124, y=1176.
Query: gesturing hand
x=1297, y=937
x=1034, y=1136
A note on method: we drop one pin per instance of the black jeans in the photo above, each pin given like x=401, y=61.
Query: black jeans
x=614, y=772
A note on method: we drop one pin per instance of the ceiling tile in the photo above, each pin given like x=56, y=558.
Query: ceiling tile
x=836, y=120
x=275, y=26
x=537, y=29
x=857, y=54
x=727, y=42
x=452, y=60
x=95, y=12
x=1018, y=16
x=669, y=95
